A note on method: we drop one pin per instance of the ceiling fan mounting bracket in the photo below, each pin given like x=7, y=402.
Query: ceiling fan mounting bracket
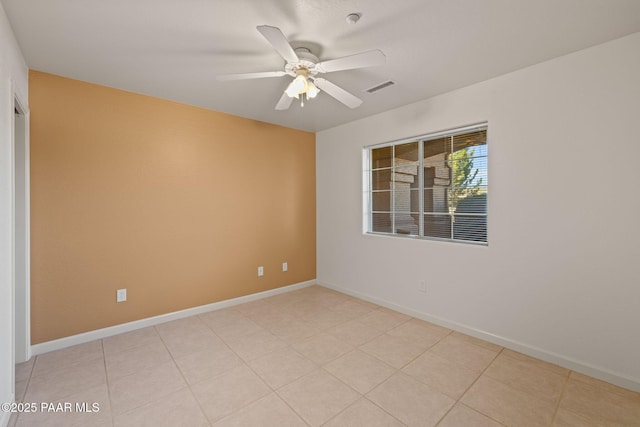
x=304, y=53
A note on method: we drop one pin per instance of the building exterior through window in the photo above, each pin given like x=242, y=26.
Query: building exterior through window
x=434, y=186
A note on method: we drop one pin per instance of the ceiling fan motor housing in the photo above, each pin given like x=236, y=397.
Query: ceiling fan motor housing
x=306, y=61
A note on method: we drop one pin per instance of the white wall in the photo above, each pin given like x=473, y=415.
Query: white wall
x=13, y=82
x=559, y=278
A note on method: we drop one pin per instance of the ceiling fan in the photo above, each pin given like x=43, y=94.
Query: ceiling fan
x=304, y=66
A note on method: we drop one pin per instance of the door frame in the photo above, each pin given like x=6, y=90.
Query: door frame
x=21, y=230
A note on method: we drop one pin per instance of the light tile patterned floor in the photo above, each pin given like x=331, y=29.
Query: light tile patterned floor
x=311, y=357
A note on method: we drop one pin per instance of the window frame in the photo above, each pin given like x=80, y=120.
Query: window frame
x=368, y=190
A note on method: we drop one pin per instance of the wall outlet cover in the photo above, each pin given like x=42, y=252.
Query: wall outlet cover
x=422, y=286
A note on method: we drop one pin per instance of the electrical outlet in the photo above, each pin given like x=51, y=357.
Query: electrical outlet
x=121, y=295
x=422, y=286
x=285, y=266
x=260, y=271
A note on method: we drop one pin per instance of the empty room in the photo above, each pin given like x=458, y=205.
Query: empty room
x=319, y=213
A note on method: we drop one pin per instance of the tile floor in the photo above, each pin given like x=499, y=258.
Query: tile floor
x=311, y=357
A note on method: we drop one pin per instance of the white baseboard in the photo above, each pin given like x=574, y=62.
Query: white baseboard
x=65, y=342
x=557, y=359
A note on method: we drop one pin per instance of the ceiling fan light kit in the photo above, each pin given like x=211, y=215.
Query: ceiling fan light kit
x=301, y=85
x=304, y=66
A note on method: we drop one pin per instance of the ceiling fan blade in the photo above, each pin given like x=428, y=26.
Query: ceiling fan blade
x=359, y=60
x=245, y=76
x=284, y=102
x=279, y=42
x=338, y=93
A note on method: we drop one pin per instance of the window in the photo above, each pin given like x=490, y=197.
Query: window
x=433, y=187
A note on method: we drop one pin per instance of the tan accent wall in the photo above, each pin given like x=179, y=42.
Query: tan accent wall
x=177, y=204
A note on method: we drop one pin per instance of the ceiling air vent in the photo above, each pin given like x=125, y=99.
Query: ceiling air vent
x=380, y=86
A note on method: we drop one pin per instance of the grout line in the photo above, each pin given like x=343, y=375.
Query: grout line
x=380, y=407
x=244, y=363
x=428, y=349
x=459, y=400
x=484, y=415
x=275, y=390
x=364, y=395
x=157, y=364
x=483, y=371
x=322, y=368
x=564, y=388
x=26, y=388
x=282, y=399
x=448, y=411
x=106, y=380
x=33, y=368
x=204, y=414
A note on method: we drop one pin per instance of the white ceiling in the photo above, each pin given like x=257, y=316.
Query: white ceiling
x=173, y=49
